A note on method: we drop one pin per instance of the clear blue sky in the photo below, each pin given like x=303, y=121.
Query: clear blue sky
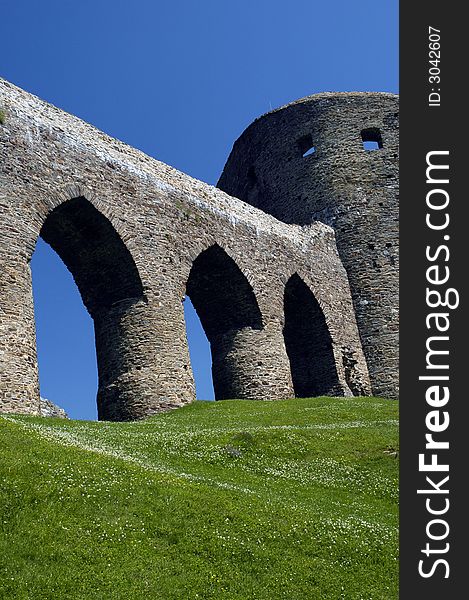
x=179, y=80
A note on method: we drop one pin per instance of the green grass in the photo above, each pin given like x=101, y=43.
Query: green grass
x=293, y=499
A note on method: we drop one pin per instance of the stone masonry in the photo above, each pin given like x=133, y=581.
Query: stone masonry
x=138, y=236
x=306, y=162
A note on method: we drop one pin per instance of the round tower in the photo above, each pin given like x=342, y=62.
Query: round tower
x=333, y=158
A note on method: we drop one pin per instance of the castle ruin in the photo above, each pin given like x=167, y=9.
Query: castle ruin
x=291, y=263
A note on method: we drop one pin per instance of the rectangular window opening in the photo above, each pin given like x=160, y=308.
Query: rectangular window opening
x=372, y=139
x=306, y=146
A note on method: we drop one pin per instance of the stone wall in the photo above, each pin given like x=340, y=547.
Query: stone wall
x=306, y=162
x=137, y=236
x=49, y=409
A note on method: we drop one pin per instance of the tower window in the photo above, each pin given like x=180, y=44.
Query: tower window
x=306, y=146
x=372, y=139
x=251, y=176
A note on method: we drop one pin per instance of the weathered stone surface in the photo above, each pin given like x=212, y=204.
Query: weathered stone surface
x=341, y=184
x=137, y=236
x=49, y=409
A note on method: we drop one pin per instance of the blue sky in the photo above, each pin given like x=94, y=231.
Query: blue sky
x=179, y=80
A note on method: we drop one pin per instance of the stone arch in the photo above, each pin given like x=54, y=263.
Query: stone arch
x=230, y=315
x=94, y=253
x=308, y=342
x=111, y=289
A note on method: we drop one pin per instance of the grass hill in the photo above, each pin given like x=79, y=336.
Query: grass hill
x=293, y=499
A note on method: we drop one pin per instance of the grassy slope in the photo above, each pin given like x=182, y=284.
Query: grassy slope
x=230, y=500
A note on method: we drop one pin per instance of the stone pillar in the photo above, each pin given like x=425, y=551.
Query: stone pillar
x=143, y=362
x=19, y=384
x=251, y=364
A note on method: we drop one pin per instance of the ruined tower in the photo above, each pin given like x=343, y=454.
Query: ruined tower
x=333, y=157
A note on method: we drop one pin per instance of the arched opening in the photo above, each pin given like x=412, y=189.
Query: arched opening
x=199, y=351
x=308, y=342
x=109, y=284
x=228, y=310
x=94, y=253
x=65, y=337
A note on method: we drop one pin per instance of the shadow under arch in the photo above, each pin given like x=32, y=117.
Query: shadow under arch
x=228, y=310
x=110, y=287
x=94, y=253
x=308, y=343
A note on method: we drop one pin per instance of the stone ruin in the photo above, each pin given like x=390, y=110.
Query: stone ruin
x=291, y=262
